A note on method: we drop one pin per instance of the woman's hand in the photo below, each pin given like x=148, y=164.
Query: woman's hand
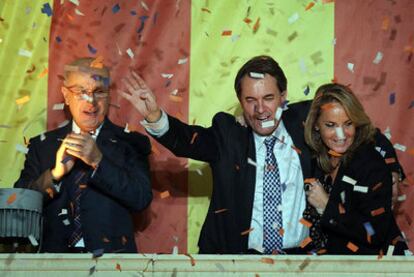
x=317, y=196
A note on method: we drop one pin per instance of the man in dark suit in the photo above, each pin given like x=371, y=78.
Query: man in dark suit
x=92, y=173
x=258, y=171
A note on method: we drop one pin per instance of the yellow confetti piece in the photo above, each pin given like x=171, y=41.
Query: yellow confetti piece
x=23, y=100
x=43, y=73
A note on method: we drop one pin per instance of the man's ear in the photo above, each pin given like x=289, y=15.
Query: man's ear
x=65, y=93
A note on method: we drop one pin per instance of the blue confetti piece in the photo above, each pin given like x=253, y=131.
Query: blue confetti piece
x=116, y=8
x=392, y=98
x=106, y=82
x=142, y=19
x=307, y=90
x=58, y=39
x=369, y=229
x=98, y=253
x=47, y=9
x=411, y=105
x=133, y=12
x=91, y=49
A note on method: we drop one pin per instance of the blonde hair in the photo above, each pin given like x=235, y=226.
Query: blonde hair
x=337, y=93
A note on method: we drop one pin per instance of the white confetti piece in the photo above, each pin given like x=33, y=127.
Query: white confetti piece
x=167, y=75
x=348, y=180
x=334, y=41
x=268, y=124
x=76, y=2
x=400, y=147
x=342, y=197
x=183, y=61
x=402, y=198
x=293, y=18
x=78, y=12
x=350, y=67
x=390, y=250
x=378, y=58
x=387, y=133
x=66, y=222
x=279, y=208
x=199, y=172
x=42, y=136
x=256, y=75
x=174, y=92
x=33, y=240
x=278, y=114
x=407, y=252
x=234, y=38
x=57, y=186
x=58, y=106
x=119, y=49
x=144, y=6
x=250, y=161
x=63, y=123
x=175, y=250
x=130, y=53
x=126, y=130
x=340, y=133
x=25, y=53
x=302, y=66
x=21, y=148
x=63, y=212
x=87, y=98
x=361, y=189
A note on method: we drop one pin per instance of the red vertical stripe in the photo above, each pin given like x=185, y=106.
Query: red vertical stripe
x=158, y=34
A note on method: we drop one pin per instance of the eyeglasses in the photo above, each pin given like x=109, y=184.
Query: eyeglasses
x=80, y=93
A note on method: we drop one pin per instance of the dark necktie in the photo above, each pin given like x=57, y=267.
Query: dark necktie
x=79, y=180
x=272, y=200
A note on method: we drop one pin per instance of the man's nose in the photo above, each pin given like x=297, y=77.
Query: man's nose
x=258, y=107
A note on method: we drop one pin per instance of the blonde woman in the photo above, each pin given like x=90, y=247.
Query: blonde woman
x=350, y=198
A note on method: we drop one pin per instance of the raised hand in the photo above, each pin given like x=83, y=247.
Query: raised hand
x=317, y=196
x=64, y=163
x=83, y=146
x=141, y=97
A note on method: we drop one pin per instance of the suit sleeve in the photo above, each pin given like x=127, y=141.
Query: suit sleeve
x=368, y=211
x=32, y=176
x=125, y=176
x=191, y=141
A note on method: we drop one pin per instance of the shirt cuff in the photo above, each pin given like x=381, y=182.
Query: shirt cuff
x=158, y=128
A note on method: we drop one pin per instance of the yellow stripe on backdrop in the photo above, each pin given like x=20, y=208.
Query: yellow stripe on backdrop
x=24, y=47
x=224, y=35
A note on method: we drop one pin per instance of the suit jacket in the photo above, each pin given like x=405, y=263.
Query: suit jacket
x=227, y=146
x=118, y=186
x=366, y=207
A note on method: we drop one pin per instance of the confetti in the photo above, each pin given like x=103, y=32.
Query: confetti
x=378, y=211
x=220, y=211
x=192, y=260
x=378, y=58
x=334, y=153
x=142, y=19
x=165, y=194
x=297, y=150
x=305, y=222
x=361, y=189
x=256, y=75
x=385, y=24
x=226, y=33
x=304, y=264
x=341, y=208
x=267, y=260
x=11, y=198
x=342, y=196
x=167, y=75
x=309, y=6
x=91, y=49
x=390, y=250
x=33, y=240
x=116, y=8
x=66, y=222
x=25, y=53
x=377, y=186
x=400, y=147
x=251, y=162
x=205, y=10
x=92, y=270
x=340, y=133
x=118, y=267
x=293, y=18
x=126, y=129
x=368, y=227
x=144, y=6
x=292, y=36
x=83, y=186
x=390, y=160
x=387, y=133
x=50, y=192
x=43, y=73
x=124, y=240
x=306, y=91
x=130, y=53
x=309, y=180
x=21, y=148
x=58, y=39
x=352, y=247
x=281, y=232
x=256, y=25
x=392, y=98
x=305, y=242
x=76, y=2
x=182, y=61
x=177, y=99
x=350, y=67
x=63, y=212
x=97, y=63
x=268, y=124
x=401, y=198
x=97, y=253
x=193, y=137
x=78, y=12
x=23, y=100
x=278, y=114
x=348, y=180
x=46, y=9
x=246, y=232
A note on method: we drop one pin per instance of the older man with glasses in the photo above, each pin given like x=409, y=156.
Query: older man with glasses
x=91, y=172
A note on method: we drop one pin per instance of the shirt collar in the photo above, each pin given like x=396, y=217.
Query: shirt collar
x=77, y=130
x=280, y=133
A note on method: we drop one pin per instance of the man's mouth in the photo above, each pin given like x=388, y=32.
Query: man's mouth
x=91, y=113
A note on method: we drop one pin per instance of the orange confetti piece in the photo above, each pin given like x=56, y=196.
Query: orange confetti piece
x=309, y=180
x=246, y=232
x=226, y=33
x=175, y=98
x=352, y=247
x=305, y=242
x=369, y=240
x=327, y=1
x=267, y=260
x=11, y=198
x=380, y=254
x=205, y=10
x=341, y=208
x=98, y=62
x=193, y=138
x=377, y=211
x=385, y=24
x=411, y=151
x=192, y=260
x=390, y=160
x=305, y=222
x=118, y=267
x=281, y=232
x=23, y=100
x=334, y=153
x=43, y=73
x=165, y=194
x=377, y=186
x=322, y=251
x=247, y=20
x=297, y=149
x=83, y=186
x=327, y=106
x=220, y=211
x=256, y=25
x=124, y=240
x=309, y=6
x=50, y=192
x=69, y=17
